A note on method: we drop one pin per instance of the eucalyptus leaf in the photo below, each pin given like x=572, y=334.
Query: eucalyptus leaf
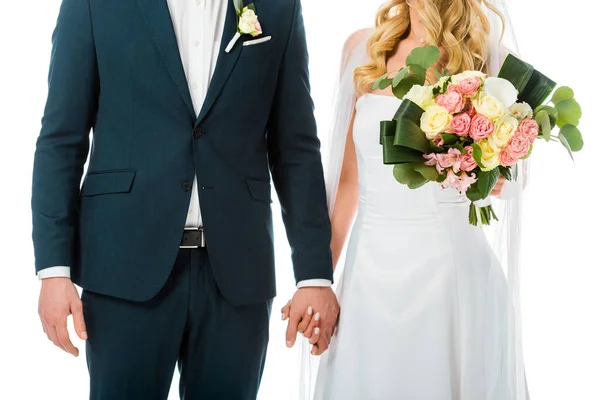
x=423, y=56
x=569, y=112
x=406, y=84
x=376, y=84
x=552, y=113
x=385, y=84
x=399, y=76
x=562, y=93
x=573, y=136
x=406, y=174
x=543, y=120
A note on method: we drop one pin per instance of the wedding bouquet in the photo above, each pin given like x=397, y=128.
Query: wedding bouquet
x=468, y=129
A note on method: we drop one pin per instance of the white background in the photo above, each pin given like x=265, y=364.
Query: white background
x=561, y=266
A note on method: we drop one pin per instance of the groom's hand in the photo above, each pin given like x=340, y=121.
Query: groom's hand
x=321, y=301
x=59, y=299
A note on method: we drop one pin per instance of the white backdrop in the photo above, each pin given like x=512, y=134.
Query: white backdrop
x=561, y=266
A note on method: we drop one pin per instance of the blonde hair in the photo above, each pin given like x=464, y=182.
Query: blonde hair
x=459, y=28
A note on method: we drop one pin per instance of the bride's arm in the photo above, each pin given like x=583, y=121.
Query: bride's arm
x=346, y=201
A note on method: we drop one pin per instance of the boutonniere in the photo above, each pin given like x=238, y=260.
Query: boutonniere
x=247, y=23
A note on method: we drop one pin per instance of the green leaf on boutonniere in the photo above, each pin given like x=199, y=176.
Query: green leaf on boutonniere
x=572, y=136
x=406, y=174
x=239, y=5
x=569, y=112
x=562, y=93
x=423, y=56
x=543, y=120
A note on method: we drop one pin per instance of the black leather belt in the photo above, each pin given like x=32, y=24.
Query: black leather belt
x=193, y=238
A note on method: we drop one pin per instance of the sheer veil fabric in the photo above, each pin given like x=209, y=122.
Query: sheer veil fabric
x=504, y=236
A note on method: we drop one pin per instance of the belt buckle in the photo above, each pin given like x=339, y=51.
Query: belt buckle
x=202, y=239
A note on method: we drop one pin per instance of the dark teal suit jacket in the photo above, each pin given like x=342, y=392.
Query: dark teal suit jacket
x=116, y=70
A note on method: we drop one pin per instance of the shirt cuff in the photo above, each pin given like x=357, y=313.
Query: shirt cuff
x=314, y=283
x=54, y=272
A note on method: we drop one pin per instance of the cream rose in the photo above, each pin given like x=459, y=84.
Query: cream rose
x=421, y=96
x=249, y=24
x=467, y=74
x=435, y=120
x=521, y=111
x=505, y=128
x=490, y=154
x=489, y=106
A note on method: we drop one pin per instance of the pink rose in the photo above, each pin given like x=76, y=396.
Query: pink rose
x=469, y=109
x=450, y=160
x=469, y=86
x=451, y=101
x=452, y=88
x=460, y=182
x=481, y=127
x=460, y=124
x=467, y=162
x=519, y=144
x=508, y=158
x=530, y=129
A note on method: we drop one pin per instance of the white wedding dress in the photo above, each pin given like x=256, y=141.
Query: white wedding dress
x=424, y=299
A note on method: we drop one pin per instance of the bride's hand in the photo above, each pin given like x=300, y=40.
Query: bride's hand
x=497, y=191
x=308, y=327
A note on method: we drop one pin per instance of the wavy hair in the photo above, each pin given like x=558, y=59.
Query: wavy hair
x=459, y=28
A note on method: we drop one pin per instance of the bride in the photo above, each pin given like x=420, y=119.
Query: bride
x=427, y=310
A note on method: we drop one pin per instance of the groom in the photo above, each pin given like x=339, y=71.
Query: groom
x=186, y=116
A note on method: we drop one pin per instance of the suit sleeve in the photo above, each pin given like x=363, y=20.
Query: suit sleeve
x=63, y=143
x=295, y=162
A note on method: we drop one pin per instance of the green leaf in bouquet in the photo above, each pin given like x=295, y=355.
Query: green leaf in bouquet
x=552, y=113
x=573, y=136
x=506, y=172
x=562, y=93
x=399, y=76
x=423, y=56
x=449, y=139
x=416, y=76
x=477, y=154
x=409, y=134
x=537, y=90
x=473, y=193
x=569, y=113
x=378, y=82
x=543, y=120
x=429, y=172
x=409, y=110
x=486, y=180
x=406, y=174
x=565, y=143
x=396, y=154
x=385, y=84
x=516, y=72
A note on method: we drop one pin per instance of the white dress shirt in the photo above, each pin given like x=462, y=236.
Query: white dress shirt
x=198, y=26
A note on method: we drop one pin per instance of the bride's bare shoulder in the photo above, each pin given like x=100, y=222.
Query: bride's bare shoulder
x=356, y=39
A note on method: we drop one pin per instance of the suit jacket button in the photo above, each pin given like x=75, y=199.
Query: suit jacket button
x=197, y=132
x=187, y=186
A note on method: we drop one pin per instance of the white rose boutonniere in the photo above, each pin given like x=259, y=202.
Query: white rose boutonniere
x=247, y=23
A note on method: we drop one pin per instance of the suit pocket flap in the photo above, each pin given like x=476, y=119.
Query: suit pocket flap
x=259, y=190
x=107, y=182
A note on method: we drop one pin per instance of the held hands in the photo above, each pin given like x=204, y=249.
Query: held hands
x=58, y=299
x=312, y=312
x=497, y=191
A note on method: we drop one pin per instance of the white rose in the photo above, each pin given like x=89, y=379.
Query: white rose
x=502, y=90
x=467, y=74
x=504, y=130
x=420, y=95
x=435, y=120
x=521, y=111
x=248, y=21
x=489, y=106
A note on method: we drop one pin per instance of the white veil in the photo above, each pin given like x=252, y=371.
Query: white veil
x=504, y=236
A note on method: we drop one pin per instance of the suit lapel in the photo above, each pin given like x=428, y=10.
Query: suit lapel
x=225, y=62
x=158, y=19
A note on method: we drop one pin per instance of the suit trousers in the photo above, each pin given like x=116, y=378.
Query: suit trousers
x=133, y=347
